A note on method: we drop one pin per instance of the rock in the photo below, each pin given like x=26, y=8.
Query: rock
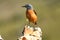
x=31, y=33
x=1, y=38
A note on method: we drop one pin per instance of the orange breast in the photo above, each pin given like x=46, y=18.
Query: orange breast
x=31, y=16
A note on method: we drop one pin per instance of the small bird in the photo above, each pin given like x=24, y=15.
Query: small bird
x=31, y=14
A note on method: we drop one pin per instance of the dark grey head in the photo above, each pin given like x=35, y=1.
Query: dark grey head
x=28, y=6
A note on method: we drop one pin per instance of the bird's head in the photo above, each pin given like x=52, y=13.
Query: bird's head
x=28, y=6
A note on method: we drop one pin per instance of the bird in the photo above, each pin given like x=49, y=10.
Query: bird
x=31, y=15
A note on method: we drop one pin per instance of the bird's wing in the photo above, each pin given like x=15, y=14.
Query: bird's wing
x=35, y=12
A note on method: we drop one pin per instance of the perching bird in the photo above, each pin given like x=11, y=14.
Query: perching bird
x=31, y=14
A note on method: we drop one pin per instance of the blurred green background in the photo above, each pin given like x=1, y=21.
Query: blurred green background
x=12, y=18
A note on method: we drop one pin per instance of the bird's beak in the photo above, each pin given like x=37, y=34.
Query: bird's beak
x=23, y=6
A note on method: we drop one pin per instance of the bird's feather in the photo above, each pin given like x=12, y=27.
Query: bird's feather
x=35, y=12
